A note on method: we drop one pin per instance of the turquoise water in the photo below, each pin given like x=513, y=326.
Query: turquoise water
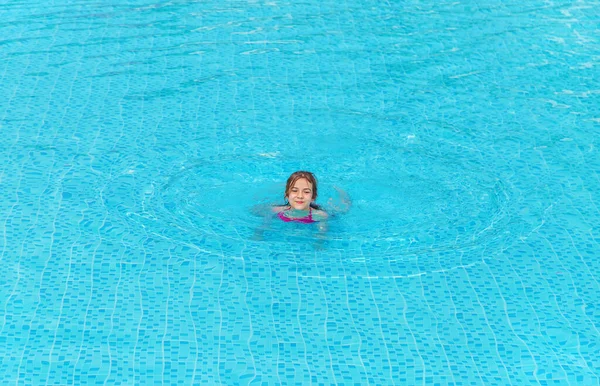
x=137, y=136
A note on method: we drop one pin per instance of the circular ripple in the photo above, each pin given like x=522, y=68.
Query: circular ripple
x=414, y=209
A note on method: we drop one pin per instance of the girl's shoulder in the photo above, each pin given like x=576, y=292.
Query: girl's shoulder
x=319, y=214
x=279, y=208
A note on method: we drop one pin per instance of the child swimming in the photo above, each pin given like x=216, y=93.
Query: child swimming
x=300, y=207
x=300, y=194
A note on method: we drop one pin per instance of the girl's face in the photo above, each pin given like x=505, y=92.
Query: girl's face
x=300, y=194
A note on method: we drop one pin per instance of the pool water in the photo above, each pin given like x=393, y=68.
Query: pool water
x=138, y=136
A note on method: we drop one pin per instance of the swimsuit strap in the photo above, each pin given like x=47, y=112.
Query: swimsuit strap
x=283, y=216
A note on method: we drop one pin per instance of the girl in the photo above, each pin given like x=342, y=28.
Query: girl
x=300, y=194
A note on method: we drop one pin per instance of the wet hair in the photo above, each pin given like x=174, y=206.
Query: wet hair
x=295, y=177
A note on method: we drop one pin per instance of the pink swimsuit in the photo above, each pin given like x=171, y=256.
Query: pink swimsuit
x=305, y=220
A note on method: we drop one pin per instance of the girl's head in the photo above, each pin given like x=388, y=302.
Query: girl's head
x=301, y=190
